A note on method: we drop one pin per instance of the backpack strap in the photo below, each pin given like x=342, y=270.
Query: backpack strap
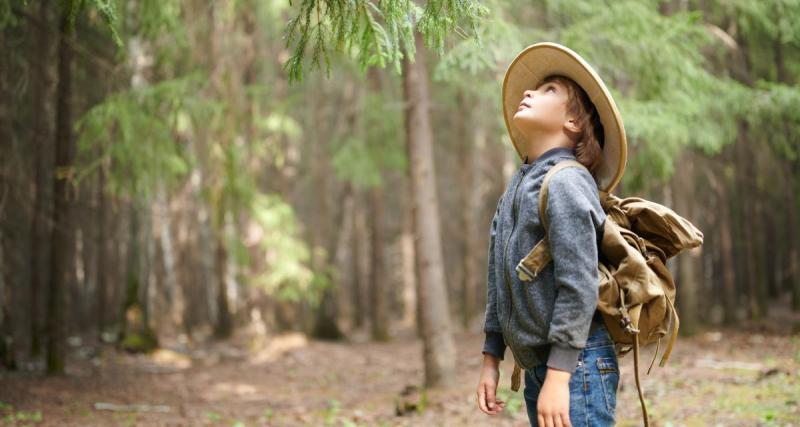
x=543, y=192
x=515, y=380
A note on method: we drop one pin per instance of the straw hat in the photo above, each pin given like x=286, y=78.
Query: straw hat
x=540, y=60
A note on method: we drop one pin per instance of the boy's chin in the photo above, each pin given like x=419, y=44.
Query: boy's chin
x=524, y=122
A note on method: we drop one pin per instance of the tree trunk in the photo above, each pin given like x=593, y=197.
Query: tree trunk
x=410, y=312
x=60, y=249
x=687, y=286
x=745, y=227
x=102, y=270
x=326, y=325
x=42, y=210
x=470, y=178
x=727, y=264
x=223, y=327
x=173, y=292
x=378, y=276
x=343, y=256
x=8, y=358
x=792, y=267
x=438, y=346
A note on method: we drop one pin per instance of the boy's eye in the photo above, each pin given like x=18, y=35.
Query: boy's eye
x=551, y=87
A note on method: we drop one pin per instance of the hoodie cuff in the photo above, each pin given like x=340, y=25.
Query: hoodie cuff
x=563, y=357
x=494, y=345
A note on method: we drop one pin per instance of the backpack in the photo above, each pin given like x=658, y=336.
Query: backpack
x=636, y=290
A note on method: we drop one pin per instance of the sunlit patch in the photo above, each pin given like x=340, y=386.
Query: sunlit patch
x=278, y=345
x=168, y=358
x=231, y=388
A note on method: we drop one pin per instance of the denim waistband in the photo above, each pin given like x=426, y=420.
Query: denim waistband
x=600, y=337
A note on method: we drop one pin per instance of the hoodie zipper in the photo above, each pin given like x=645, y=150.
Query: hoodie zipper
x=506, y=277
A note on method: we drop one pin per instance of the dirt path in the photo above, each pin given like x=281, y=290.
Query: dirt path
x=727, y=378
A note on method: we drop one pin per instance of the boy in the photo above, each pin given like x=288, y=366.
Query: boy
x=555, y=108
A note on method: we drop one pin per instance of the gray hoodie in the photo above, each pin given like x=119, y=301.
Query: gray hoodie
x=550, y=318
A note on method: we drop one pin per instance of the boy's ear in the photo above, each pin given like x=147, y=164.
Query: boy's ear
x=571, y=126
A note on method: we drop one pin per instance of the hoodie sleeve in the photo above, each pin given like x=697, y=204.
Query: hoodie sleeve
x=494, y=343
x=574, y=215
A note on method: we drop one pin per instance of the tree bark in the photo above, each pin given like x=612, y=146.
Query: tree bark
x=727, y=264
x=103, y=278
x=792, y=267
x=470, y=178
x=438, y=346
x=687, y=285
x=378, y=277
x=360, y=252
x=410, y=311
x=42, y=210
x=745, y=227
x=223, y=327
x=60, y=249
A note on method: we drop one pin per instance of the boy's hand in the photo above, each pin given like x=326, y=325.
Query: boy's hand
x=487, y=386
x=552, y=408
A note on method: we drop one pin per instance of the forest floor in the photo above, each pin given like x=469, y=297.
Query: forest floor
x=748, y=376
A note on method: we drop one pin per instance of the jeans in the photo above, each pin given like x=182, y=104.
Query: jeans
x=592, y=387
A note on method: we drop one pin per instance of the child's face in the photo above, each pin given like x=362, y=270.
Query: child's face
x=543, y=110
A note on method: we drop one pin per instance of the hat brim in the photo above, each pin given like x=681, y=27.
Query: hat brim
x=543, y=59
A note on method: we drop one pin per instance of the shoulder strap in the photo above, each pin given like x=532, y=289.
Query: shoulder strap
x=543, y=192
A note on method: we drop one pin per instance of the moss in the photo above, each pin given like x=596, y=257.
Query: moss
x=140, y=342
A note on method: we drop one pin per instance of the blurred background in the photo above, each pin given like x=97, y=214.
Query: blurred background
x=264, y=212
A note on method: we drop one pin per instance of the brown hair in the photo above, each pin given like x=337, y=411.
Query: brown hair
x=590, y=141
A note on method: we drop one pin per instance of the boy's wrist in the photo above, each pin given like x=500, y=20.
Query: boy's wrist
x=490, y=359
x=558, y=375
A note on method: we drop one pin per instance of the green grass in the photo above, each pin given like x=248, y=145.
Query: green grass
x=9, y=416
x=770, y=401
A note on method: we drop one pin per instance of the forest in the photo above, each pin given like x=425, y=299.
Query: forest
x=277, y=212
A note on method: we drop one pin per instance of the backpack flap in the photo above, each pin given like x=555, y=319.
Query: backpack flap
x=660, y=225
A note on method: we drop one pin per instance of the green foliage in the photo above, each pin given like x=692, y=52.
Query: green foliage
x=213, y=416
x=159, y=17
x=14, y=417
x=286, y=274
x=353, y=161
x=106, y=9
x=776, y=19
x=267, y=415
x=663, y=84
x=137, y=135
x=376, y=33
x=441, y=17
x=158, y=25
x=108, y=12
x=514, y=401
x=500, y=39
x=7, y=16
x=772, y=110
x=275, y=126
x=144, y=341
x=362, y=160
x=331, y=413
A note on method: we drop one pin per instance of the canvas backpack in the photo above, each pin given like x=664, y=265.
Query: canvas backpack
x=636, y=290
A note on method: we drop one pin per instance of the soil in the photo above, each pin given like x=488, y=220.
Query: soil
x=743, y=376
